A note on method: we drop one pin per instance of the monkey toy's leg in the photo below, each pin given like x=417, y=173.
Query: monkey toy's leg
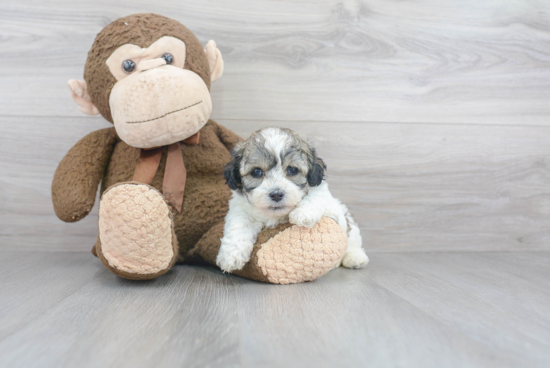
x=286, y=254
x=136, y=232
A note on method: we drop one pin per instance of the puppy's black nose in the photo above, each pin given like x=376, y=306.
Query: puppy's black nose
x=277, y=195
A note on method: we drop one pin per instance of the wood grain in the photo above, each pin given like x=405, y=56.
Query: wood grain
x=429, y=187
x=363, y=80
x=433, y=119
x=407, y=309
x=414, y=187
x=113, y=321
x=330, y=60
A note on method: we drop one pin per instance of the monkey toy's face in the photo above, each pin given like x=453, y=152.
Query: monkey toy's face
x=155, y=101
x=153, y=94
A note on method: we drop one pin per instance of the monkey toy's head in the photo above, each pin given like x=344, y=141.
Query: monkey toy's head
x=150, y=76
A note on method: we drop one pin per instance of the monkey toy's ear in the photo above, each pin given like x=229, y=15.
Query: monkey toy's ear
x=79, y=93
x=215, y=60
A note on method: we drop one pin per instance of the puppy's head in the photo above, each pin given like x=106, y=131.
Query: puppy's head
x=274, y=170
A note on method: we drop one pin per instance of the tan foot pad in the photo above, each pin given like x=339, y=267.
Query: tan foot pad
x=136, y=232
x=297, y=254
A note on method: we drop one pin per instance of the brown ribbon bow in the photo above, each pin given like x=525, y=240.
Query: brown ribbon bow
x=175, y=174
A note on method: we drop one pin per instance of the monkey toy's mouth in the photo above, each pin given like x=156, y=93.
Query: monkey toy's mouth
x=160, y=107
x=162, y=116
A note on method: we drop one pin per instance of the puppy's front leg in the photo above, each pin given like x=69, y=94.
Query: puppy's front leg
x=312, y=207
x=238, y=240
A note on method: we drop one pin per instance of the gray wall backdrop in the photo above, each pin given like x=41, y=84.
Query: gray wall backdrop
x=433, y=116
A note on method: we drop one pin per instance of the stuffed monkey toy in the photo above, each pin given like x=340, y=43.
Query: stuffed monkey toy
x=163, y=196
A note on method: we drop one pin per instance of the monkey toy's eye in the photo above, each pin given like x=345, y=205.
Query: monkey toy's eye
x=168, y=58
x=292, y=170
x=256, y=173
x=128, y=66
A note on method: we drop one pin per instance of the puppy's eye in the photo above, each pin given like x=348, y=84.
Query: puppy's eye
x=256, y=173
x=168, y=58
x=128, y=66
x=291, y=170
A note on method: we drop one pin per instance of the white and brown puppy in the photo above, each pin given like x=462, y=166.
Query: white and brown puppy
x=276, y=177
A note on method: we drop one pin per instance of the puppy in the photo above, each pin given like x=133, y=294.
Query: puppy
x=276, y=177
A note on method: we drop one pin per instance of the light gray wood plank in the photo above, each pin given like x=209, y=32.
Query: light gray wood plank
x=33, y=282
x=437, y=186
x=444, y=286
x=410, y=186
x=407, y=309
x=187, y=317
x=30, y=154
x=366, y=61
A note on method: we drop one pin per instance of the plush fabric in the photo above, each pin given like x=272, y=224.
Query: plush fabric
x=147, y=58
x=135, y=229
x=206, y=196
x=298, y=254
x=141, y=234
x=285, y=254
x=160, y=118
x=99, y=79
x=215, y=60
x=78, y=175
x=80, y=95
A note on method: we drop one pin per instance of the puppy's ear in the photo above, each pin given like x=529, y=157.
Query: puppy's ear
x=231, y=170
x=317, y=168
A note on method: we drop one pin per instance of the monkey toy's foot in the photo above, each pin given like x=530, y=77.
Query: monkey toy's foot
x=296, y=254
x=136, y=232
x=285, y=254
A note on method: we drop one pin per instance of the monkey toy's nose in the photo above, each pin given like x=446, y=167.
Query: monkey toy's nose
x=150, y=64
x=277, y=195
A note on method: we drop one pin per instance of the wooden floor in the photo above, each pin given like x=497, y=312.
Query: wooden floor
x=463, y=309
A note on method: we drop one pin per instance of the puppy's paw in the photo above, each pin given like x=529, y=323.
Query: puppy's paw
x=232, y=257
x=355, y=259
x=304, y=217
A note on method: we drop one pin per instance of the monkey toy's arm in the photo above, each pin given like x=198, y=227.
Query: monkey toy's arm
x=77, y=177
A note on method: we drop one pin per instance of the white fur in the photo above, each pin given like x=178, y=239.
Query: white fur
x=250, y=212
